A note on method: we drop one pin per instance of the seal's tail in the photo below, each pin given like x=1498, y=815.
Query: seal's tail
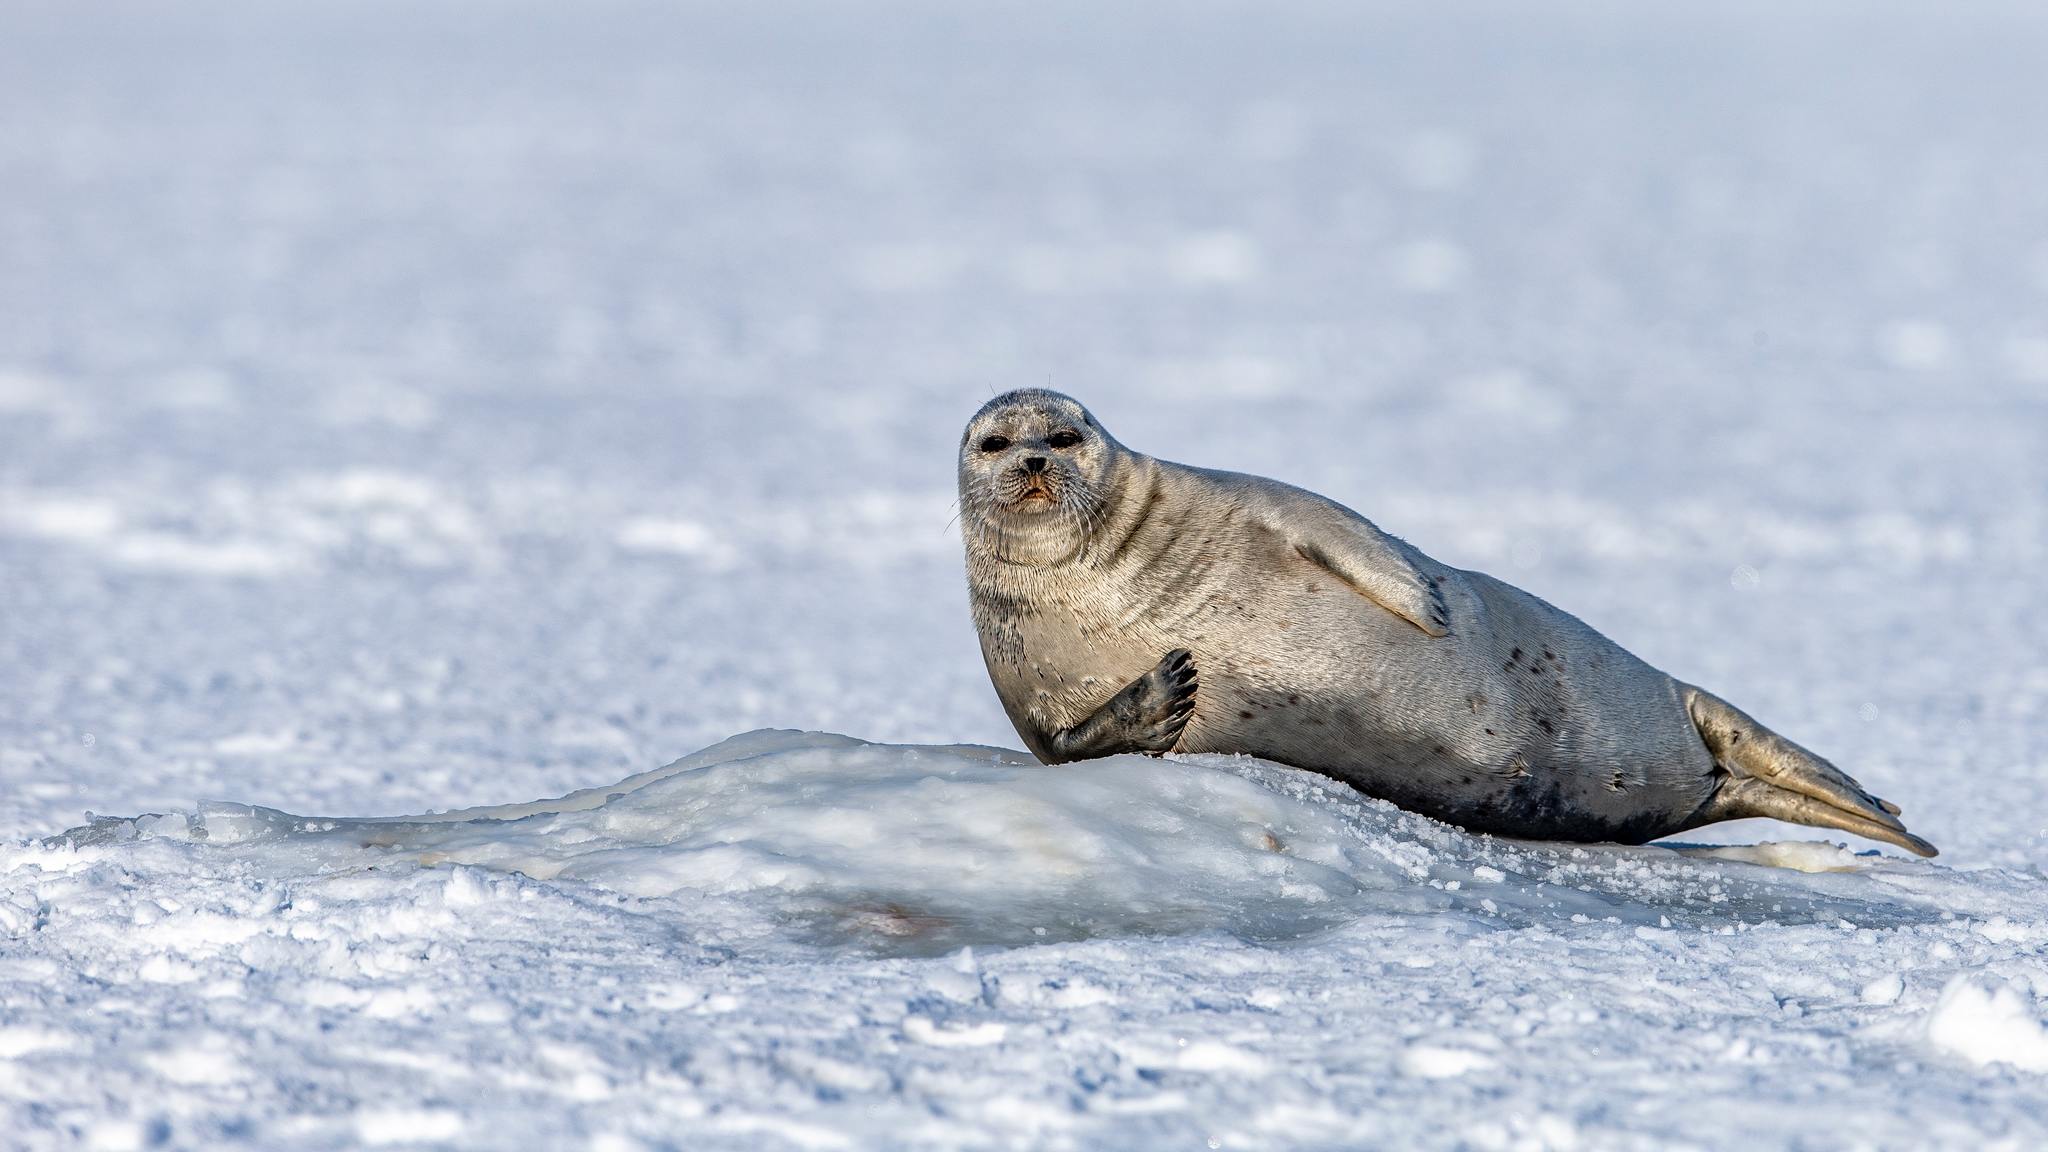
x=1771, y=776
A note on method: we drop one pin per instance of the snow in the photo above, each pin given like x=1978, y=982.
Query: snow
x=1989, y=1024
x=411, y=411
x=911, y=850
x=811, y=939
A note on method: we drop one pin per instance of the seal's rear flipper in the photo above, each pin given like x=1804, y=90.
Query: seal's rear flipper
x=1768, y=775
x=1740, y=797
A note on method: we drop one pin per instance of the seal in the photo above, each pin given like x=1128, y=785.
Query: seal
x=1130, y=604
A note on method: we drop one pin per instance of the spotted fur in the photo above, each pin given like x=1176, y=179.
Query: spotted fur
x=1321, y=642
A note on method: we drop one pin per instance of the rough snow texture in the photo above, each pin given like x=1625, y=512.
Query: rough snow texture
x=803, y=938
x=421, y=406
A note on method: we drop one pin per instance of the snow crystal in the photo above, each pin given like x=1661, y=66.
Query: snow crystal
x=1883, y=990
x=1436, y=1063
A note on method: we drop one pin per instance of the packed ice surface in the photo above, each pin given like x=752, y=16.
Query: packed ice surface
x=922, y=850
x=803, y=938
x=411, y=407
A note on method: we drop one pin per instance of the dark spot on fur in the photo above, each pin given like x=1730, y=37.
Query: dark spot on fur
x=1464, y=779
x=1441, y=750
x=1514, y=656
x=1544, y=724
x=1735, y=738
x=1293, y=699
x=1489, y=731
x=1246, y=715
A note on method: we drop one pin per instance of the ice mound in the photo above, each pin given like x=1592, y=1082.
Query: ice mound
x=919, y=849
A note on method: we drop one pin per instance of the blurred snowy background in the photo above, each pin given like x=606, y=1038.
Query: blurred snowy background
x=408, y=406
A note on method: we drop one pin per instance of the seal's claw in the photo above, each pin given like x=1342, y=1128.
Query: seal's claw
x=1148, y=715
x=1168, y=701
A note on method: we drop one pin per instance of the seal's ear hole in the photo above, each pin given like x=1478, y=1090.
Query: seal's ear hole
x=1064, y=438
x=995, y=443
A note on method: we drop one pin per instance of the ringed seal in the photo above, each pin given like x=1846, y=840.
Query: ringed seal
x=1128, y=604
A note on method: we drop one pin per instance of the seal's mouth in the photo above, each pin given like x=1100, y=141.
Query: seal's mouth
x=1029, y=495
x=1030, y=491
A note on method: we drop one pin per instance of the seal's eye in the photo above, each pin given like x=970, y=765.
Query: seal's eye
x=995, y=443
x=1064, y=438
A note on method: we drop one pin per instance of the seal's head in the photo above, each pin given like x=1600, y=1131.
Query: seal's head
x=1036, y=474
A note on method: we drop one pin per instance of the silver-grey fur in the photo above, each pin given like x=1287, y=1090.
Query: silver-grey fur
x=1131, y=604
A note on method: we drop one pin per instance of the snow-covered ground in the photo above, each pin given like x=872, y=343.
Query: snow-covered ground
x=412, y=407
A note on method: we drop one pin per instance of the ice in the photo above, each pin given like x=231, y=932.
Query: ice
x=921, y=850
x=413, y=406
x=845, y=936
x=1989, y=1024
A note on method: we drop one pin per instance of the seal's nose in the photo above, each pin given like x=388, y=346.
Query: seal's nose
x=1034, y=463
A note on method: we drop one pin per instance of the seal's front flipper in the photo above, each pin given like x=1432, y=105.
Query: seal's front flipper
x=1376, y=565
x=1771, y=776
x=1147, y=715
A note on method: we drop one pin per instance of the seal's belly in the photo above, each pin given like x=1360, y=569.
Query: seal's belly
x=1524, y=721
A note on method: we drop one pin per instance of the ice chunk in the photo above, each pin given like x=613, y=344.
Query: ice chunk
x=1989, y=1023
